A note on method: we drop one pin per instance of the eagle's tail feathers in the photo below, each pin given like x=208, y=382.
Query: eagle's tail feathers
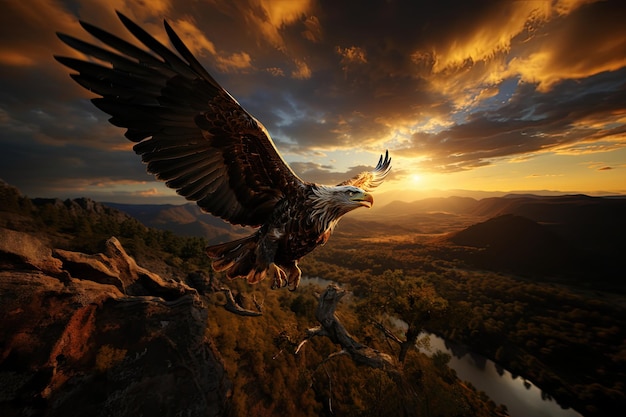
x=237, y=258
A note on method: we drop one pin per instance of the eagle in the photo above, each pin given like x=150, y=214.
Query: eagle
x=193, y=135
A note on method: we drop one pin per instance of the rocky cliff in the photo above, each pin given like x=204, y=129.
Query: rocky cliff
x=98, y=335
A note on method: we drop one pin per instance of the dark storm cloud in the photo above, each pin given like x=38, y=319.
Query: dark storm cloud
x=48, y=170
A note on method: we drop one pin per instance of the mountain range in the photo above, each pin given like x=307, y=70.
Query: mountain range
x=185, y=220
x=572, y=235
x=566, y=234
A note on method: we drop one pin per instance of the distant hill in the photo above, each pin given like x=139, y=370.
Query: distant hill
x=516, y=244
x=567, y=234
x=456, y=205
x=596, y=225
x=596, y=220
x=184, y=220
x=540, y=208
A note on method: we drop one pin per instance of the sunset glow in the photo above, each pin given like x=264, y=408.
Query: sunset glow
x=415, y=179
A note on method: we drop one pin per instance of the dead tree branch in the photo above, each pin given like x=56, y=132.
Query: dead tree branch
x=361, y=354
x=232, y=306
x=257, y=304
x=411, y=334
x=388, y=333
x=332, y=328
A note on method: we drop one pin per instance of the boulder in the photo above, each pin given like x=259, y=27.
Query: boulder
x=23, y=251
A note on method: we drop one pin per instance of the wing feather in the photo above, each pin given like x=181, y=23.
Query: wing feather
x=189, y=131
x=369, y=180
x=173, y=167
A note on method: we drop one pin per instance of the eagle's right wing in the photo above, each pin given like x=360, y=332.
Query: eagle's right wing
x=191, y=133
x=369, y=180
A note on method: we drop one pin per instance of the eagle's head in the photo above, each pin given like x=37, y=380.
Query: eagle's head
x=351, y=197
x=330, y=203
x=342, y=198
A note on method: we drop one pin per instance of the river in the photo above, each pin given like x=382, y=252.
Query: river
x=521, y=397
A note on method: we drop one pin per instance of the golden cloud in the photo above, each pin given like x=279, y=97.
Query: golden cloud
x=194, y=38
x=538, y=42
x=237, y=61
x=564, y=7
x=313, y=30
x=351, y=55
x=561, y=57
x=16, y=59
x=27, y=32
x=487, y=39
x=275, y=71
x=274, y=15
x=151, y=192
x=302, y=71
x=608, y=144
x=284, y=12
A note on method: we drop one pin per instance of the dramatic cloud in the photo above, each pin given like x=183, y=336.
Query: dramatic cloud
x=561, y=120
x=446, y=86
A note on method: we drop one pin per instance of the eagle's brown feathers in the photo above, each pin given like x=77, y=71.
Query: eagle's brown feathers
x=193, y=135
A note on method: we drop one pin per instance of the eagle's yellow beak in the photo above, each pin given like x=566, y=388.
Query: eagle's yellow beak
x=363, y=199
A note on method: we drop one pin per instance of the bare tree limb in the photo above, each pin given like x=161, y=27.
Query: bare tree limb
x=388, y=333
x=332, y=328
x=361, y=354
x=412, y=334
x=232, y=306
x=259, y=306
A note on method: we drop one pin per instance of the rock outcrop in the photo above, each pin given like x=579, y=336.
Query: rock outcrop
x=98, y=335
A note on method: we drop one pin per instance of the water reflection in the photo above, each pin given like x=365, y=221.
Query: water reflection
x=320, y=282
x=520, y=396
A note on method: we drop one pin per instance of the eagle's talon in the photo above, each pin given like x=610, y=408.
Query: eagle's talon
x=280, y=277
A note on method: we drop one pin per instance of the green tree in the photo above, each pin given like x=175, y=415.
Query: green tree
x=411, y=299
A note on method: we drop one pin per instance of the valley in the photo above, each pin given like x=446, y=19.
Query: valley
x=531, y=283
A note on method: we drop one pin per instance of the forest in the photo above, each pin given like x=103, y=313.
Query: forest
x=569, y=340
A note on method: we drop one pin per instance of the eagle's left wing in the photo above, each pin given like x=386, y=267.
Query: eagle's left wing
x=189, y=131
x=369, y=180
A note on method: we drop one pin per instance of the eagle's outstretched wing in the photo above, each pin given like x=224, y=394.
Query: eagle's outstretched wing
x=369, y=180
x=191, y=133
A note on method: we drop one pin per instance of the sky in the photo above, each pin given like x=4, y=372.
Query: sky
x=473, y=95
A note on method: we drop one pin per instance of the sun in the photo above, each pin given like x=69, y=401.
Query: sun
x=415, y=178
